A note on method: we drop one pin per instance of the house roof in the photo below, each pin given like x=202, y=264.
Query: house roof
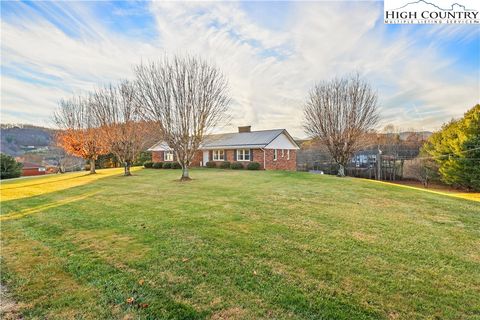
x=31, y=165
x=253, y=139
x=159, y=146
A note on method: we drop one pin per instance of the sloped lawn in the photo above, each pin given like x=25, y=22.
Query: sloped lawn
x=236, y=245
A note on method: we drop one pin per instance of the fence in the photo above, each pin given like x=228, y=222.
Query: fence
x=367, y=165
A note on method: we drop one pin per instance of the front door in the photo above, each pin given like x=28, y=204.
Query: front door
x=205, y=158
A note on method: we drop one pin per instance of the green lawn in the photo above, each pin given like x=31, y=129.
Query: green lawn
x=237, y=245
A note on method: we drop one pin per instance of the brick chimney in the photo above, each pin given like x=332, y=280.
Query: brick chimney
x=245, y=129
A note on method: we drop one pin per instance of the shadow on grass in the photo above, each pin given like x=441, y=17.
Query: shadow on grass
x=52, y=177
x=115, y=283
x=25, y=212
x=24, y=188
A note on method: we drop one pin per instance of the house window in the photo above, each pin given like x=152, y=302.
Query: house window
x=275, y=155
x=283, y=153
x=243, y=154
x=168, y=156
x=288, y=154
x=218, y=155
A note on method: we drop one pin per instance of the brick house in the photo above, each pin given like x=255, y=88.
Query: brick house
x=272, y=149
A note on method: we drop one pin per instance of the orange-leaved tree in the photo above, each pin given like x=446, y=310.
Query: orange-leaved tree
x=121, y=123
x=79, y=134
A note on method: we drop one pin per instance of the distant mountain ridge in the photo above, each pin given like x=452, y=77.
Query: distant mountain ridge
x=423, y=134
x=16, y=139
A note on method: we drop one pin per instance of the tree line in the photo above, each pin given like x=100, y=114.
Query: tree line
x=179, y=100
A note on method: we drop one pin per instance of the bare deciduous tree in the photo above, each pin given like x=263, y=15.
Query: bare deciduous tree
x=187, y=97
x=79, y=134
x=391, y=140
x=422, y=169
x=120, y=122
x=339, y=113
x=65, y=162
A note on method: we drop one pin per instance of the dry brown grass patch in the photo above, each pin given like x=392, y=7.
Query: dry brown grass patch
x=234, y=313
x=114, y=248
x=370, y=238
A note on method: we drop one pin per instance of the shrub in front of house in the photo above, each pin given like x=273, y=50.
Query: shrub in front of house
x=176, y=165
x=211, y=164
x=144, y=156
x=225, y=165
x=253, y=166
x=236, y=166
x=167, y=165
x=148, y=164
x=157, y=165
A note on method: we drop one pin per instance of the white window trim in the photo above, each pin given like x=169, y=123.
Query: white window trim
x=216, y=155
x=244, y=153
x=283, y=153
x=166, y=155
x=275, y=155
x=288, y=154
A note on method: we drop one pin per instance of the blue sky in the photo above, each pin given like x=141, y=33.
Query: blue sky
x=272, y=53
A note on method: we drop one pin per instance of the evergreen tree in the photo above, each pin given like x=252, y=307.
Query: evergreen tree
x=9, y=167
x=456, y=149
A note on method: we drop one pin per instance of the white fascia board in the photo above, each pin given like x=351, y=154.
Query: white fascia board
x=160, y=146
x=282, y=141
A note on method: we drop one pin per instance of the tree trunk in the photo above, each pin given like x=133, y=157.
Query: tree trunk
x=127, y=169
x=92, y=166
x=185, y=174
x=341, y=170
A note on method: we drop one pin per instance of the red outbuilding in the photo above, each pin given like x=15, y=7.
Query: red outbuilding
x=32, y=169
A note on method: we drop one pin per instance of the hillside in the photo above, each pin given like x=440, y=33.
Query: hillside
x=18, y=139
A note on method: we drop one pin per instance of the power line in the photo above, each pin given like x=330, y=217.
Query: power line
x=450, y=154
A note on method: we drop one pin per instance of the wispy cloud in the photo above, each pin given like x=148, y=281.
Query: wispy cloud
x=55, y=50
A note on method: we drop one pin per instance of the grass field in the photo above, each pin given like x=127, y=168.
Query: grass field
x=237, y=245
